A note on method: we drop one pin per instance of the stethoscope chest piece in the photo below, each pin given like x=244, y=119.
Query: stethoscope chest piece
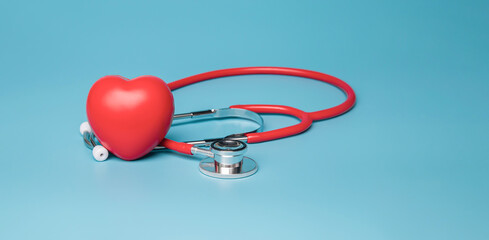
x=228, y=161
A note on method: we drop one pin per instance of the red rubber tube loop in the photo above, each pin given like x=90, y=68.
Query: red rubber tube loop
x=317, y=115
x=314, y=116
x=305, y=123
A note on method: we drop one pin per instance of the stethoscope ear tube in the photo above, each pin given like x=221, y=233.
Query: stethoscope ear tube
x=191, y=147
x=186, y=147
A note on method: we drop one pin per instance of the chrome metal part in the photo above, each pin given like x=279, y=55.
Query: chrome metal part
x=228, y=160
x=245, y=168
x=219, y=114
x=193, y=114
x=223, y=113
x=202, y=152
x=89, y=140
x=228, y=152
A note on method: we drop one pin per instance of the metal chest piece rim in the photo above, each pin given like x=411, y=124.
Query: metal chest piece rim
x=229, y=161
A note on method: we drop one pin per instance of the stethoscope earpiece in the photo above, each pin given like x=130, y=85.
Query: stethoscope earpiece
x=99, y=152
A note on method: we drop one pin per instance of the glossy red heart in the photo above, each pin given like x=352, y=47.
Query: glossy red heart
x=130, y=117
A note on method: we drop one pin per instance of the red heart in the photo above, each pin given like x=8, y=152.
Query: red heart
x=130, y=117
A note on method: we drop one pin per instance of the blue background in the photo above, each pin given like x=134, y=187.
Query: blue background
x=410, y=161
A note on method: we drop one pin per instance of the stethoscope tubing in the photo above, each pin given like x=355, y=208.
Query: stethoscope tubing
x=306, y=117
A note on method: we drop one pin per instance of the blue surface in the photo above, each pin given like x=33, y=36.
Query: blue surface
x=410, y=161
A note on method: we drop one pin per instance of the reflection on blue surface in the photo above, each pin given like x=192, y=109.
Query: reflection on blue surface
x=408, y=162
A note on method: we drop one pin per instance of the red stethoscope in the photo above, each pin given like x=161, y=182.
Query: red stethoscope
x=130, y=118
